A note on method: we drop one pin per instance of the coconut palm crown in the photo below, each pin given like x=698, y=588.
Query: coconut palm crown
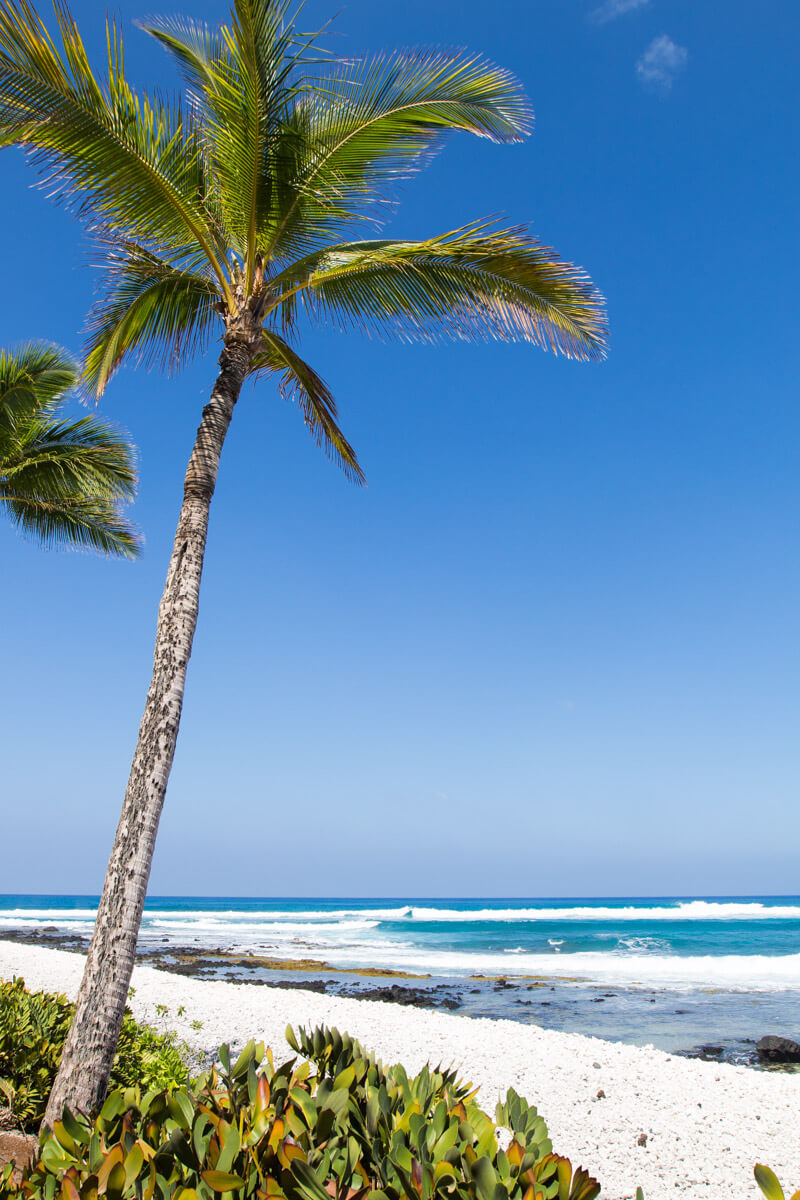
x=241, y=210
x=225, y=212
x=61, y=481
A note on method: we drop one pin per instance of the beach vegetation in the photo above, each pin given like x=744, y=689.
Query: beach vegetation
x=238, y=213
x=349, y=1130
x=767, y=1180
x=33, y=1029
x=62, y=481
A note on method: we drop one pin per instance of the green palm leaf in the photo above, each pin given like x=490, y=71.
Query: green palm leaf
x=234, y=205
x=149, y=308
x=32, y=382
x=240, y=83
x=62, y=481
x=300, y=382
x=472, y=284
x=127, y=162
x=374, y=121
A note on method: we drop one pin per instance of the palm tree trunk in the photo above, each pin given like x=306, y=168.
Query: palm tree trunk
x=89, y=1050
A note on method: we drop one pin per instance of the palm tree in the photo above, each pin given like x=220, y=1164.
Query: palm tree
x=61, y=481
x=229, y=212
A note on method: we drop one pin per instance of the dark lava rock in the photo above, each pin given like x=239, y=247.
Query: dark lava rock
x=707, y=1052
x=49, y=936
x=773, y=1049
x=396, y=994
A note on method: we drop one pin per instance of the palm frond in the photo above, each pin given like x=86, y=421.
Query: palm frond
x=375, y=121
x=300, y=382
x=148, y=308
x=61, y=480
x=127, y=162
x=32, y=380
x=477, y=283
x=238, y=77
x=60, y=459
x=73, y=523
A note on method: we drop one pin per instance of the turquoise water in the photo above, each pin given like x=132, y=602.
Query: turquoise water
x=740, y=943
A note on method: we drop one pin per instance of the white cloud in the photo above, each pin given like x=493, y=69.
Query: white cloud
x=612, y=9
x=661, y=62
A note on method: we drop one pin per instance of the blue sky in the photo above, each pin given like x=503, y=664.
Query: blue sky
x=552, y=649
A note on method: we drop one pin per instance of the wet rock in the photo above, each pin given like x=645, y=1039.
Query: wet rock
x=708, y=1053
x=774, y=1049
x=49, y=936
x=434, y=997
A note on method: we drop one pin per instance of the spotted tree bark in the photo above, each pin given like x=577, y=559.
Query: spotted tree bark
x=89, y=1050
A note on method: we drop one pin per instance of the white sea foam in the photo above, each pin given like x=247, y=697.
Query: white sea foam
x=684, y=910
x=643, y=945
x=211, y=925
x=753, y=972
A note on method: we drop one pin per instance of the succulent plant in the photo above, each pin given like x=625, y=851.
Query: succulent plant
x=353, y=1130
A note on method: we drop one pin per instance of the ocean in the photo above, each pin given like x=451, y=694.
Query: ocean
x=671, y=971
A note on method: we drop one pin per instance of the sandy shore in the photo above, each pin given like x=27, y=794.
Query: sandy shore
x=706, y=1124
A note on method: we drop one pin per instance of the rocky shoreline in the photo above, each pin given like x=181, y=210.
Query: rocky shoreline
x=556, y=1003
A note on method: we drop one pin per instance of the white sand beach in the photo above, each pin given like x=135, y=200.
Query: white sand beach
x=705, y=1124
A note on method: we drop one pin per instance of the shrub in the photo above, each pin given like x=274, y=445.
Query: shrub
x=352, y=1131
x=33, y=1027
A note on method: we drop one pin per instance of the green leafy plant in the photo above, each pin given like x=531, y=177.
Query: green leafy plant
x=354, y=1130
x=767, y=1180
x=33, y=1027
